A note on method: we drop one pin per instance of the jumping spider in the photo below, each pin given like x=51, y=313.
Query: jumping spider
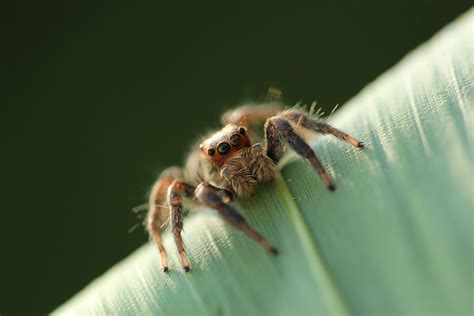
x=230, y=166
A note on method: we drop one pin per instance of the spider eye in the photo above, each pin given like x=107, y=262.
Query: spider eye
x=223, y=148
x=211, y=152
x=236, y=140
x=242, y=130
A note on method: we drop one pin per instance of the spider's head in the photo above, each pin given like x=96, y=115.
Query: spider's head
x=224, y=143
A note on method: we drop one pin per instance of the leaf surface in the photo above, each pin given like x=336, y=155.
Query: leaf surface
x=396, y=237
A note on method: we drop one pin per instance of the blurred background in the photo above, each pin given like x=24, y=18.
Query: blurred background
x=98, y=98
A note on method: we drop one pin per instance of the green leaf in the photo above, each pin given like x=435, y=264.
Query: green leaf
x=396, y=237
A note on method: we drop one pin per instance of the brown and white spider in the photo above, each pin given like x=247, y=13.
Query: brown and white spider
x=229, y=165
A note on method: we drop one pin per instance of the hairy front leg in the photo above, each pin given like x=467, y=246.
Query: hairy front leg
x=208, y=195
x=308, y=122
x=278, y=129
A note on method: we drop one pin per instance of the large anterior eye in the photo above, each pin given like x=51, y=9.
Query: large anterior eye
x=236, y=140
x=223, y=148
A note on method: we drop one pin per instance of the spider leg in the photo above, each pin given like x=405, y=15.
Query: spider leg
x=311, y=123
x=157, y=212
x=209, y=195
x=176, y=191
x=278, y=129
x=248, y=114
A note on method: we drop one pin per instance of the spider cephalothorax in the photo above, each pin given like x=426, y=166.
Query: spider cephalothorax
x=230, y=165
x=224, y=143
x=240, y=165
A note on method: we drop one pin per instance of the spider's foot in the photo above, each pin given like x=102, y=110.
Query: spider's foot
x=268, y=247
x=186, y=268
x=274, y=251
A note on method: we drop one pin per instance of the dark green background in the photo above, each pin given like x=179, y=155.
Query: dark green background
x=98, y=98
